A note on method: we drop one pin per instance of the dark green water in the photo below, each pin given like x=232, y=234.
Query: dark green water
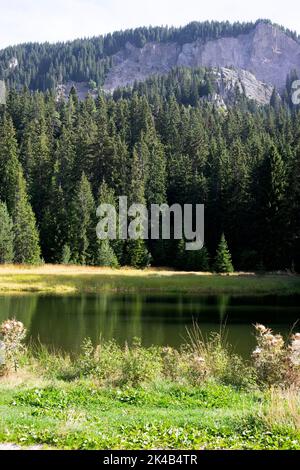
x=64, y=321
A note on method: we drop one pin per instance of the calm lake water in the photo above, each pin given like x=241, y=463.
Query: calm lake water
x=63, y=322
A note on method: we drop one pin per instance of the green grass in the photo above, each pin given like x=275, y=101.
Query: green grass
x=144, y=282
x=81, y=416
x=202, y=396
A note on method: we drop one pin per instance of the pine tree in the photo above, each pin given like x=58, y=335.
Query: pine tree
x=26, y=237
x=6, y=236
x=223, y=263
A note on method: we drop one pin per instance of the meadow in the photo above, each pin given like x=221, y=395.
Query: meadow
x=59, y=279
x=202, y=396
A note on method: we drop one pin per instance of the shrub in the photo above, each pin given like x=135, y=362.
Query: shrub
x=212, y=357
x=13, y=333
x=140, y=365
x=276, y=363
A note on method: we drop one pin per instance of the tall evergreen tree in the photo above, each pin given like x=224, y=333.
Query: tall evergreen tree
x=109, y=251
x=83, y=224
x=270, y=230
x=223, y=263
x=9, y=164
x=6, y=236
x=137, y=253
x=26, y=237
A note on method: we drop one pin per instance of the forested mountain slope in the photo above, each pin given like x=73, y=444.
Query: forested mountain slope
x=155, y=143
x=267, y=51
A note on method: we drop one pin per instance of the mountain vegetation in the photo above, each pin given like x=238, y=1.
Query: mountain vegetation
x=44, y=66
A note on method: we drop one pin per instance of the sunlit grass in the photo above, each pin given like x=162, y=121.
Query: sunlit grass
x=76, y=279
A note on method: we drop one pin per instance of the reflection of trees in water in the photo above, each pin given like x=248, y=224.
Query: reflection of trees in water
x=64, y=321
x=223, y=302
x=20, y=307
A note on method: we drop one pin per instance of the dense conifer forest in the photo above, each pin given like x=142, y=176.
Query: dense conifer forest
x=161, y=141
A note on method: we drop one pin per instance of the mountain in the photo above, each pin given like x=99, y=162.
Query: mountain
x=261, y=55
x=267, y=52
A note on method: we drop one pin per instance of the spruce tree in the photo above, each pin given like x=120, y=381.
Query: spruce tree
x=137, y=254
x=66, y=255
x=271, y=221
x=106, y=256
x=40, y=167
x=83, y=224
x=198, y=260
x=6, y=236
x=26, y=237
x=55, y=226
x=113, y=249
x=9, y=163
x=223, y=263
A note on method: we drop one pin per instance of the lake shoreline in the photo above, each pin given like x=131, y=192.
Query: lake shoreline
x=60, y=279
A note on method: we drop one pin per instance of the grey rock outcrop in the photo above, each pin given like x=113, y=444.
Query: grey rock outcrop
x=266, y=52
x=230, y=80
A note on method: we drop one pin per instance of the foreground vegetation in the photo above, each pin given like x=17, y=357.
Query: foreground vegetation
x=112, y=397
x=75, y=279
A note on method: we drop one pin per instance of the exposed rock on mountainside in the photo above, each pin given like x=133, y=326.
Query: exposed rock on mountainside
x=226, y=82
x=230, y=80
x=82, y=90
x=267, y=52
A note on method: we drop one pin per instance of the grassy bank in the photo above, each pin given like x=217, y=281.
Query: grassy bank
x=78, y=415
x=74, y=279
x=201, y=397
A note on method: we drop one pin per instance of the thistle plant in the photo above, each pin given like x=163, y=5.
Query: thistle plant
x=276, y=362
x=13, y=333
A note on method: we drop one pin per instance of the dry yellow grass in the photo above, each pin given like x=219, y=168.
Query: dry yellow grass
x=24, y=376
x=283, y=409
x=79, y=270
x=62, y=279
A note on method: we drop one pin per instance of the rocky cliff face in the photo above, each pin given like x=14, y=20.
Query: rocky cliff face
x=227, y=81
x=267, y=53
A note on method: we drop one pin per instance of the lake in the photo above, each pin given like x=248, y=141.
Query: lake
x=62, y=322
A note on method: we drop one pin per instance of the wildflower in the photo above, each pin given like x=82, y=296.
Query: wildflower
x=261, y=329
x=256, y=352
x=295, y=350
